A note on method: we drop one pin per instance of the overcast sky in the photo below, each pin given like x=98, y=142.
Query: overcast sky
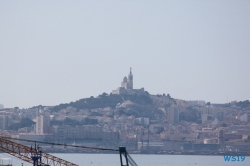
x=54, y=52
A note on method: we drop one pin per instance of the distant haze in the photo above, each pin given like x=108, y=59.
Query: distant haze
x=54, y=52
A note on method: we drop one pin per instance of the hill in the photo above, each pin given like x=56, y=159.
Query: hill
x=136, y=105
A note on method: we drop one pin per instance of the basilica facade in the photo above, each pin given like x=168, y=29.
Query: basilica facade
x=127, y=86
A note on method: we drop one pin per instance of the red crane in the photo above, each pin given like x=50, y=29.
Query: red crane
x=27, y=154
x=39, y=158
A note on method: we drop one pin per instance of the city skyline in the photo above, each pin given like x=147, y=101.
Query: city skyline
x=54, y=53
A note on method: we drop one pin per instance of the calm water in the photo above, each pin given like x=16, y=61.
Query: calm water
x=141, y=160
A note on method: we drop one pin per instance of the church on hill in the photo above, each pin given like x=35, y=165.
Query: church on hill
x=127, y=87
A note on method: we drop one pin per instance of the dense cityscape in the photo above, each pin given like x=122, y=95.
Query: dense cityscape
x=136, y=119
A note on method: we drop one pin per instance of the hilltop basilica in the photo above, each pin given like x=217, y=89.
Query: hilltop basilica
x=127, y=86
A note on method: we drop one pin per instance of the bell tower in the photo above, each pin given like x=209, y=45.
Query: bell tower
x=130, y=79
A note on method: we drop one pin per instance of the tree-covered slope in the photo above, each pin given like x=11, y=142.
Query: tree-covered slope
x=106, y=100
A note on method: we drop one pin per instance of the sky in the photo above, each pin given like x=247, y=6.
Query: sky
x=60, y=51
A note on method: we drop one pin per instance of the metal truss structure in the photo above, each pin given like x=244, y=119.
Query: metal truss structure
x=25, y=153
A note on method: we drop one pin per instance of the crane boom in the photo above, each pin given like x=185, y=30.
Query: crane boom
x=35, y=156
x=25, y=153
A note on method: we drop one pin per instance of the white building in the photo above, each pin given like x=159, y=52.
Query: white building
x=42, y=124
x=142, y=121
x=244, y=117
x=127, y=87
x=210, y=141
x=90, y=132
x=197, y=103
x=204, y=118
x=127, y=82
x=3, y=122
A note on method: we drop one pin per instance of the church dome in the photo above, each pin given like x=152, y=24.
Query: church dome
x=125, y=79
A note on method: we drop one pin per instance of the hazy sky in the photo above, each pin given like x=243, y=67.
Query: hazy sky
x=54, y=52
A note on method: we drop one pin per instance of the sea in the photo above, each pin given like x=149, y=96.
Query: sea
x=140, y=159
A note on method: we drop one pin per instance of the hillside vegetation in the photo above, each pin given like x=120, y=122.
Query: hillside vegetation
x=106, y=100
x=135, y=105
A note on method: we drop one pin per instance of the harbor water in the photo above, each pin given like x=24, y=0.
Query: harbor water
x=141, y=160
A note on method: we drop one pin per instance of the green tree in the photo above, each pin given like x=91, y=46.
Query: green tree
x=223, y=125
x=25, y=122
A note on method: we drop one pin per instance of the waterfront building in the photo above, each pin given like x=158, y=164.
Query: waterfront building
x=86, y=132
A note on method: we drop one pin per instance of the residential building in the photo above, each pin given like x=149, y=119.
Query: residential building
x=244, y=117
x=3, y=122
x=42, y=124
x=173, y=115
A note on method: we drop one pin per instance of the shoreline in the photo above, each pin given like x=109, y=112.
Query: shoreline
x=150, y=152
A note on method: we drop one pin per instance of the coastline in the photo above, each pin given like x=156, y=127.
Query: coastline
x=151, y=152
